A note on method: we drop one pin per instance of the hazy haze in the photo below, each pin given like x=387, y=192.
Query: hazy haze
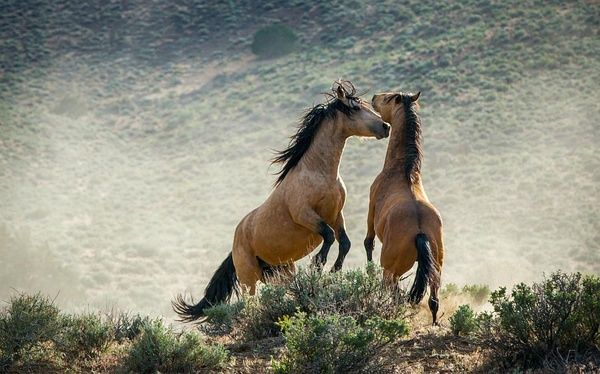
x=121, y=187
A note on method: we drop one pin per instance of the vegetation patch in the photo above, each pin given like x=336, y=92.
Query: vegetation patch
x=35, y=336
x=550, y=324
x=335, y=344
x=553, y=325
x=314, y=324
x=274, y=41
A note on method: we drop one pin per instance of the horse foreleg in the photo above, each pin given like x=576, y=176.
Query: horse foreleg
x=310, y=219
x=369, y=247
x=344, y=241
x=328, y=236
x=370, y=239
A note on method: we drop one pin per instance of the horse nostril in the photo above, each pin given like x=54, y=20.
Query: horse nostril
x=386, y=127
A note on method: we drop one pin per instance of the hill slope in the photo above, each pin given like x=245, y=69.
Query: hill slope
x=134, y=138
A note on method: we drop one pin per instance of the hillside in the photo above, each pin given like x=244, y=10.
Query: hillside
x=133, y=138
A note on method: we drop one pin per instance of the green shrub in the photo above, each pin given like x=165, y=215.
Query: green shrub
x=463, y=321
x=159, y=349
x=26, y=323
x=356, y=293
x=260, y=314
x=334, y=344
x=220, y=319
x=273, y=41
x=86, y=336
x=545, y=324
x=127, y=328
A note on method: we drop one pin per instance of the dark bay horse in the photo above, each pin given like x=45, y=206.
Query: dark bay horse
x=407, y=224
x=305, y=207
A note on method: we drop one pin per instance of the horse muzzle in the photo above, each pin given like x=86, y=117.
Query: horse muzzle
x=382, y=130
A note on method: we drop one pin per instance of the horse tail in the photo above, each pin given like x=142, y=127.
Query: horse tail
x=425, y=268
x=219, y=290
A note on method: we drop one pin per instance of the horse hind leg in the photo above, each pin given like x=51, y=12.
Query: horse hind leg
x=434, y=288
x=248, y=270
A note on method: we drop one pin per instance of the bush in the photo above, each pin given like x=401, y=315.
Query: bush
x=330, y=321
x=127, y=328
x=26, y=324
x=547, y=324
x=86, y=336
x=259, y=316
x=273, y=41
x=158, y=349
x=356, y=293
x=220, y=319
x=463, y=321
x=335, y=344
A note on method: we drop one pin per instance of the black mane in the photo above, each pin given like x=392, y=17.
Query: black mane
x=309, y=125
x=412, y=138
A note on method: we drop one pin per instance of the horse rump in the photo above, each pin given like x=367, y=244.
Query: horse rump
x=221, y=287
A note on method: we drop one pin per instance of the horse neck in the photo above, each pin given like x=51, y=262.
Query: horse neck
x=396, y=155
x=325, y=153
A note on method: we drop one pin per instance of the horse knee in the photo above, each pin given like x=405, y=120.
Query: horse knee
x=326, y=233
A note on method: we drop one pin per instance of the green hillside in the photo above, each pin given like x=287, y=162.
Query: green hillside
x=134, y=137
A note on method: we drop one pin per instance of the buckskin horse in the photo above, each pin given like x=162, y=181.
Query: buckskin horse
x=305, y=206
x=407, y=224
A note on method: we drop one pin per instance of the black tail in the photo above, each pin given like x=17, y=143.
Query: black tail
x=425, y=269
x=219, y=290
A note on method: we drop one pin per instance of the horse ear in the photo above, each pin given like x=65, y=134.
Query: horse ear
x=415, y=97
x=340, y=92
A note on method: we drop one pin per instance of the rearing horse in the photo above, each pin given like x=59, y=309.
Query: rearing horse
x=305, y=207
x=400, y=214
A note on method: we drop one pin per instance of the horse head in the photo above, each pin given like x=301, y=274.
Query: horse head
x=387, y=104
x=360, y=118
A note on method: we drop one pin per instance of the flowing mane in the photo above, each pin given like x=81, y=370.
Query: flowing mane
x=412, y=138
x=309, y=125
